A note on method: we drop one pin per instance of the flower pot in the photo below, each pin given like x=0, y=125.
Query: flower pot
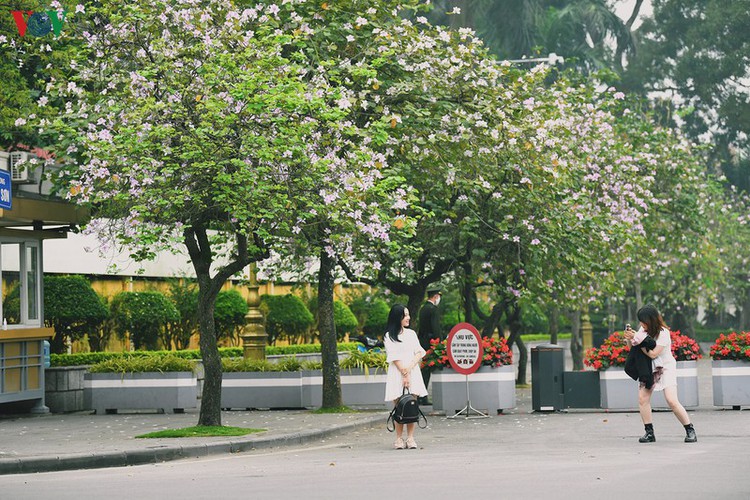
x=687, y=387
x=731, y=383
x=490, y=389
x=162, y=391
x=261, y=390
x=618, y=391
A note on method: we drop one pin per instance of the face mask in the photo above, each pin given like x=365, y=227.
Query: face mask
x=437, y=301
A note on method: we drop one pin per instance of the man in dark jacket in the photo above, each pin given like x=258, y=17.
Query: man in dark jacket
x=429, y=328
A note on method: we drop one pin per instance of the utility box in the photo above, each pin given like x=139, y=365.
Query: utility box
x=547, y=366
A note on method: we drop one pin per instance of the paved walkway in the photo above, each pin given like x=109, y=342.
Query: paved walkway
x=80, y=440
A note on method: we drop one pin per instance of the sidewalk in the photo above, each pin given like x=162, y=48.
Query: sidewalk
x=55, y=442
x=80, y=440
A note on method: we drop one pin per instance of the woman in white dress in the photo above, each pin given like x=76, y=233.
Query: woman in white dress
x=665, y=374
x=403, y=354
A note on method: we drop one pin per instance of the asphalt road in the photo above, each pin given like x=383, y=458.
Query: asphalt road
x=525, y=455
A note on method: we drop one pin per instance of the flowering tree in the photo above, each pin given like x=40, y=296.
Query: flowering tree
x=189, y=123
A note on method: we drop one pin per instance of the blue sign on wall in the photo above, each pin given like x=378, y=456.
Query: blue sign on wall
x=6, y=201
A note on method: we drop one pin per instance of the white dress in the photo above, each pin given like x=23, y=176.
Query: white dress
x=668, y=363
x=405, y=351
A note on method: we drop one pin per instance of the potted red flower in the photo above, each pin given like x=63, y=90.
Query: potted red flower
x=730, y=369
x=492, y=387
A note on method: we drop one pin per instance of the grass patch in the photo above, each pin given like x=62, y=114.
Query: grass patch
x=335, y=409
x=201, y=431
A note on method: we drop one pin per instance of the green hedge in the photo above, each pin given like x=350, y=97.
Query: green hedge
x=90, y=358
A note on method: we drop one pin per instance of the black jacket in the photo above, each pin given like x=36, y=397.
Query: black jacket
x=638, y=364
x=429, y=325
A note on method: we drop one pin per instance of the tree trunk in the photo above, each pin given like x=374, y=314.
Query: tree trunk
x=417, y=296
x=576, y=343
x=210, y=413
x=682, y=321
x=514, y=324
x=327, y=329
x=554, y=321
x=638, y=294
x=491, y=324
x=199, y=249
x=57, y=346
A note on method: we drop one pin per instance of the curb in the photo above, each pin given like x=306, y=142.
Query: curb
x=142, y=456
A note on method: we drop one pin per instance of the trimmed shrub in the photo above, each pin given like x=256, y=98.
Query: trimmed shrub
x=144, y=315
x=71, y=307
x=286, y=317
x=344, y=319
x=376, y=319
x=184, y=295
x=229, y=315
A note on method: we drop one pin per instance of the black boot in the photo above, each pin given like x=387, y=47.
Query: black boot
x=690, y=431
x=649, y=436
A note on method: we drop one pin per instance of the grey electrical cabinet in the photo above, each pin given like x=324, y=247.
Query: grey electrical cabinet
x=547, y=366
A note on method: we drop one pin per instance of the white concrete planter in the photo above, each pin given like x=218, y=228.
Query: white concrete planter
x=357, y=389
x=618, y=390
x=360, y=389
x=731, y=383
x=312, y=388
x=166, y=392
x=261, y=390
x=490, y=389
x=687, y=387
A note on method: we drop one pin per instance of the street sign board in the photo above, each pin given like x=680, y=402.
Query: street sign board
x=6, y=200
x=465, y=348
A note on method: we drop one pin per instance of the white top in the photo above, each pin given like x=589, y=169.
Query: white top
x=405, y=350
x=665, y=360
x=665, y=339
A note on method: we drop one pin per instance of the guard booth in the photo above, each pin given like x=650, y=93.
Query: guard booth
x=29, y=215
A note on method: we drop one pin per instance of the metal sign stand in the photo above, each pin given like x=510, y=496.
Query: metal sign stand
x=468, y=409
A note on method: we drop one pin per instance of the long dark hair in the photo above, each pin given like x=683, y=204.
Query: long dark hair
x=654, y=322
x=393, y=328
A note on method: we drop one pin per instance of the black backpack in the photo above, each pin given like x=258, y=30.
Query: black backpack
x=406, y=411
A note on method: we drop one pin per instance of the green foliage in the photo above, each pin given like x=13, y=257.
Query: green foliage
x=90, y=358
x=344, y=319
x=288, y=364
x=184, y=295
x=139, y=364
x=286, y=317
x=377, y=318
x=370, y=310
x=364, y=361
x=144, y=315
x=533, y=318
x=201, y=431
x=72, y=307
x=229, y=315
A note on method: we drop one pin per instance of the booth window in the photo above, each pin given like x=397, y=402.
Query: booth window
x=20, y=273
